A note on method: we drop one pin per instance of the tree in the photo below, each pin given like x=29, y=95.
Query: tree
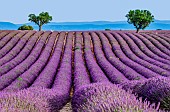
x=41, y=19
x=25, y=27
x=139, y=18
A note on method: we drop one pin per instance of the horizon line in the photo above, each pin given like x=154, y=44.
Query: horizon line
x=83, y=21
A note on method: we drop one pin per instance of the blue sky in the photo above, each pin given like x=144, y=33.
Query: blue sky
x=17, y=11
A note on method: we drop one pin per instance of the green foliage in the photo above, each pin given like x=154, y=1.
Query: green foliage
x=41, y=19
x=19, y=78
x=25, y=27
x=140, y=18
x=107, y=29
x=76, y=48
x=137, y=78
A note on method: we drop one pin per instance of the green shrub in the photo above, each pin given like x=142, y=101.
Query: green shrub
x=25, y=27
x=107, y=29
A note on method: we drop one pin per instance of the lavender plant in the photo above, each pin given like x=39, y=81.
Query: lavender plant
x=99, y=97
x=156, y=90
x=36, y=99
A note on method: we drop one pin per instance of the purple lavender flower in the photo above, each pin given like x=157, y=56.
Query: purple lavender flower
x=35, y=99
x=99, y=97
x=156, y=90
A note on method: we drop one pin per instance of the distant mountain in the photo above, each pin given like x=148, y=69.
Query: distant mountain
x=94, y=25
x=87, y=27
x=162, y=21
x=78, y=23
x=7, y=25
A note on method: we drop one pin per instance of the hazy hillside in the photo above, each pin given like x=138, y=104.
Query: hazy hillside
x=7, y=25
x=95, y=25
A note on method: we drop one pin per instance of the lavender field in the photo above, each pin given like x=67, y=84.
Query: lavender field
x=96, y=71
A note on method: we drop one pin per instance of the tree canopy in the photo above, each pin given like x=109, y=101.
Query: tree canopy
x=41, y=19
x=140, y=18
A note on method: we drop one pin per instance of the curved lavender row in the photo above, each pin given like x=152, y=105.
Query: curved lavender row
x=152, y=47
x=168, y=34
x=11, y=44
x=127, y=51
x=163, y=37
x=112, y=73
x=28, y=77
x=145, y=49
x=7, y=38
x=17, y=49
x=3, y=34
x=21, y=56
x=161, y=40
x=157, y=33
x=123, y=68
x=81, y=76
x=166, y=37
x=133, y=85
x=63, y=79
x=96, y=73
x=34, y=99
x=6, y=34
x=106, y=97
x=9, y=77
x=118, y=52
x=141, y=55
x=46, y=77
x=161, y=31
x=157, y=44
x=156, y=89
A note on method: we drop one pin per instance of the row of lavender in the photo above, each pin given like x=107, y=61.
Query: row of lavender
x=35, y=63
x=47, y=66
x=86, y=97
x=133, y=58
x=7, y=66
x=100, y=96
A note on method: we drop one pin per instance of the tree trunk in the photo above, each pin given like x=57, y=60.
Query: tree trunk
x=137, y=31
x=40, y=28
